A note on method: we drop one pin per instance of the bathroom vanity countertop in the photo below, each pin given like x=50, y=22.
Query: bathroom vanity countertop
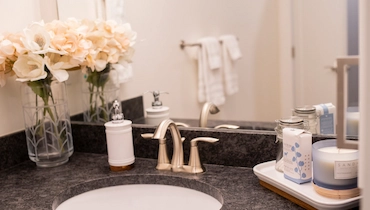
x=26, y=186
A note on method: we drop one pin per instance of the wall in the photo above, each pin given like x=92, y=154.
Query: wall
x=160, y=64
x=14, y=17
x=320, y=30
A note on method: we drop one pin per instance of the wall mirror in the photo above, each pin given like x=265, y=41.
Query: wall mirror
x=267, y=92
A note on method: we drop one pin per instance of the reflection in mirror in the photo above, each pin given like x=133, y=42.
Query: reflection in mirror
x=254, y=23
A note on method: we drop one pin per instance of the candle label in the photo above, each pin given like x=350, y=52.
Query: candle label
x=345, y=169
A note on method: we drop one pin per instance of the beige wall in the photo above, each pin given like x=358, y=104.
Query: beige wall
x=15, y=15
x=159, y=64
x=320, y=36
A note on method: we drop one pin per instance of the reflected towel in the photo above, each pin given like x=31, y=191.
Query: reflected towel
x=230, y=53
x=123, y=72
x=210, y=85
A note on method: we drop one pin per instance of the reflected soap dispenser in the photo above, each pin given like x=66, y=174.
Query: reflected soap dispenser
x=157, y=113
x=119, y=141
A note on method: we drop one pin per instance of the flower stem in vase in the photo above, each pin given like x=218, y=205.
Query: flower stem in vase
x=96, y=82
x=42, y=89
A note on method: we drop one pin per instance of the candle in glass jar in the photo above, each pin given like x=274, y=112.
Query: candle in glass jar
x=334, y=168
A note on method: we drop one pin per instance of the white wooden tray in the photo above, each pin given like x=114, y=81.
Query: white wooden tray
x=305, y=192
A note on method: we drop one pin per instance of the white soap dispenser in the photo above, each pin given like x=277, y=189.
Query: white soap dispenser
x=157, y=113
x=119, y=141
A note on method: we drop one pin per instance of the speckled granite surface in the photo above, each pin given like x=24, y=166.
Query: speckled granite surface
x=28, y=187
x=244, y=148
x=229, y=169
x=235, y=148
x=13, y=149
x=229, y=163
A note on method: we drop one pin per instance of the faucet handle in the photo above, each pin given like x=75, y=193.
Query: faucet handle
x=147, y=135
x=194, y=142
x=163, y=162
x=194, y=159
x=181, y=124
x=227, y=126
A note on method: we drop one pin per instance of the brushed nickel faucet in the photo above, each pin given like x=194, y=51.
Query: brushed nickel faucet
x=177, y=162
x=208, y=107
x=163, y=162
x=195, y=165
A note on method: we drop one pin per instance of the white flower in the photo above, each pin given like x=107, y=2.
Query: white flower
x=82, y=50
x=56, y=67
x=29, y=67
x=128, y=33
x=37, y=39
x=101, y=61
x=56, y=47
x=6, y=47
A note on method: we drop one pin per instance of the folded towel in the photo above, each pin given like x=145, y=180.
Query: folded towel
x=123, y=72
x=230, y=53
x=232, y=45
x=210, y=85
x=212, y=47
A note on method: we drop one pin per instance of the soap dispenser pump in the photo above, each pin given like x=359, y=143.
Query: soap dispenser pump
x=157, y=113
x=119, y=141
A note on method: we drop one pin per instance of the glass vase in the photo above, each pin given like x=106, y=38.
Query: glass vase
x=47, y=122
x=99, y=90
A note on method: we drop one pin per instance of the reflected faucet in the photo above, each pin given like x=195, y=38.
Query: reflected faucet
x=177, y=161
x=208, y=107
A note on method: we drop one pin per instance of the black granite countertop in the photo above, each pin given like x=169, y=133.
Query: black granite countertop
x=229, y=162
x=26, y=186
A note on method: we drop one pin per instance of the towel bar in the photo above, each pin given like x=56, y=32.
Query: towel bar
x=183, y=44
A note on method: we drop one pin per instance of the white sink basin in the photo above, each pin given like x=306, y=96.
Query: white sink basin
x=140, y=197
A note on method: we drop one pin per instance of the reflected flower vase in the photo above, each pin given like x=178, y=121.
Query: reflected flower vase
x=47, y=122
x=99, y=90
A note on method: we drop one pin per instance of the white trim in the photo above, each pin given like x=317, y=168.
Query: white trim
x=48, y=10
x=297, y=23
x=285, y=58
x=364, y=102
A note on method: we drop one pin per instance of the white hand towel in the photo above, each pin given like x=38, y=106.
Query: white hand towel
x=232, y=45
x=230, y=53
x=212, y=46
x=123, y=72
x=210, y=85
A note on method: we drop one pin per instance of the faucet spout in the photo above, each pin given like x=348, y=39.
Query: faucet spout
x=178, y=153
x=208, y=107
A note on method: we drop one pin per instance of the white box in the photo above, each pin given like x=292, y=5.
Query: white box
x=326, y=118
x=297, y=155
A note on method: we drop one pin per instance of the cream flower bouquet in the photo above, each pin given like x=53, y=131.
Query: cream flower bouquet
x=110, y=50
x=48, y=51
x=40, y=56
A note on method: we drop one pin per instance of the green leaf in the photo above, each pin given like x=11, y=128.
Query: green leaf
x=37, y=88
x=98, y=79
